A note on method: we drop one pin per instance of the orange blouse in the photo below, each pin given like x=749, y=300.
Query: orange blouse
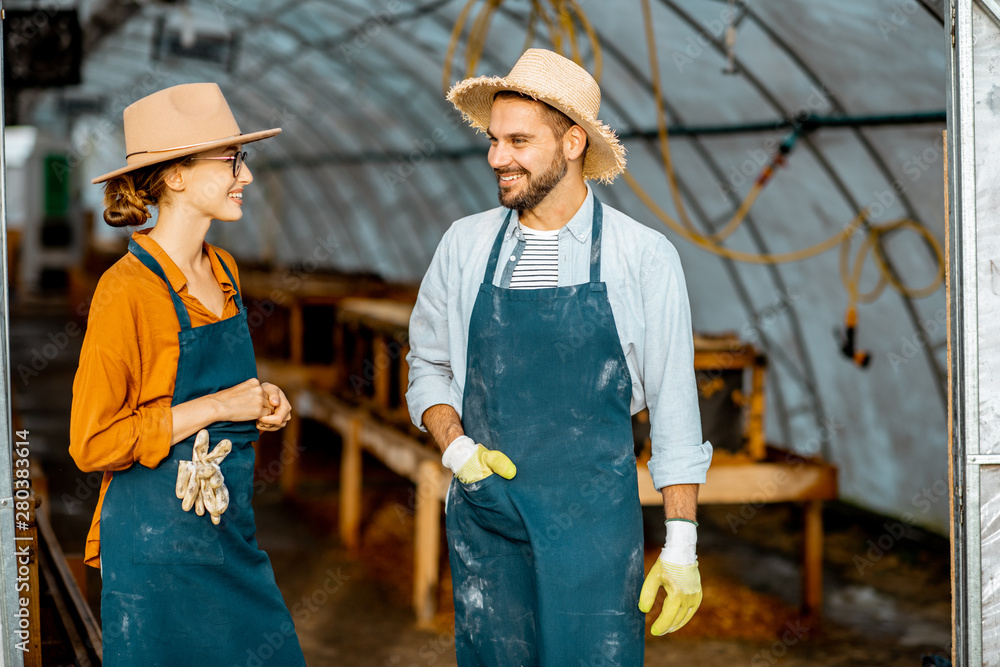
x=128, y=365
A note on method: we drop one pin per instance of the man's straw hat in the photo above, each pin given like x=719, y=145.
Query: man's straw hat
x=559, y=82
x=178, y=121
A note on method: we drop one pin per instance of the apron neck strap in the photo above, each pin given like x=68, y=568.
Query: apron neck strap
x=491, y=266
x=239, y=301
x=595, y=246
x=595, y=241
x=154, y=266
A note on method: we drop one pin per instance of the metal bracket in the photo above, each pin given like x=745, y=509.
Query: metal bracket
x=983, y=459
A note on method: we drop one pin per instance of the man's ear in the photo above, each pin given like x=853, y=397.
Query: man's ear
x=574, y=142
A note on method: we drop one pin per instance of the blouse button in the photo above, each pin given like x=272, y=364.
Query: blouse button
x=513, y=258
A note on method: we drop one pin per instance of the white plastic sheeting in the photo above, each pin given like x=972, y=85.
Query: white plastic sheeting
x=375, y=164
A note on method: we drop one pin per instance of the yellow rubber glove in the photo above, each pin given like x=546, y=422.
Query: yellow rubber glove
x=472, y=462
x=484, y=463
x=683, y=586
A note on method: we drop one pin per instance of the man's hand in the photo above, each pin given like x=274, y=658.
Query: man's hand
x=683, y=586
x=472, y=462
x=676, y=571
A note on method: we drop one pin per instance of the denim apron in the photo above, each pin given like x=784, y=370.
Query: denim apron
x=177, y=589
x=547, y=566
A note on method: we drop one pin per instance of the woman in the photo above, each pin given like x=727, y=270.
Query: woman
x=167, y=354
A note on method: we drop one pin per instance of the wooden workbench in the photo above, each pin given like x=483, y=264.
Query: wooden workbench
x=375, y=419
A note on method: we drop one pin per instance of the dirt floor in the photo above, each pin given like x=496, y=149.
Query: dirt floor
x=886, y=606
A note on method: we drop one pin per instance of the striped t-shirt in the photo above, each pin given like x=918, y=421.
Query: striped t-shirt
x=539, y=263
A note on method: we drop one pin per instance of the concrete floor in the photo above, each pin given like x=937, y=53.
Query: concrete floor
x=353, y=609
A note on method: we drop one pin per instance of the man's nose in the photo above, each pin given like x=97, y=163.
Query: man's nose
x=499, y=156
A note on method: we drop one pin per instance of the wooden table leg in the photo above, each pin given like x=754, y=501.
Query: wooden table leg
x=381, y=365
x=350, y=487
x=427, y=542
x=812, y=559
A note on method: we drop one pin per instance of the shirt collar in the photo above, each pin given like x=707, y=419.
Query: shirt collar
x=580, y=225
x=175, y=276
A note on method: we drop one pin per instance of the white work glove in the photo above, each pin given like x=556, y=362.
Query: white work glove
x=676, y=571
x=200, y=483
x=472, y=462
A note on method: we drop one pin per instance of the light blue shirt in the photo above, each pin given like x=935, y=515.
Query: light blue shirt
x=648, y=298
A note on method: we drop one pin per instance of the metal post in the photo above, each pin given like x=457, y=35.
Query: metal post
x=11, y=656
x=973, y=38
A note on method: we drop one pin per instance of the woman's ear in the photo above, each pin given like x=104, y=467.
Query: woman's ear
x=176, y=178
x=574, y=142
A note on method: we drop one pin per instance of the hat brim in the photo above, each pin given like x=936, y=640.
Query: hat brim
x=605, y=157
x=149, y=159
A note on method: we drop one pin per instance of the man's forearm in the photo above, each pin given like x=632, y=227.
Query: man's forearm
x=443, y=423
x=680, y=501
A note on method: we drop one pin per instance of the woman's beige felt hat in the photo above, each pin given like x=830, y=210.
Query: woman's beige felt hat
x=559, y=82
x=178, y=121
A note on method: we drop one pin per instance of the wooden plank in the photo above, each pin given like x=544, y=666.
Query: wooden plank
x=290, y=376
x=81, y=609
x=79, y=571
x=350, y=488
x=711, y=359
x=399, y=452
x=427, y=542
x=760, y=482
x=384, y=313
x=327, y=410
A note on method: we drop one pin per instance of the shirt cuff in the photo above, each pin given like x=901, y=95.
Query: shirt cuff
x=680, y=465
x=156, y=429
x=425, y=393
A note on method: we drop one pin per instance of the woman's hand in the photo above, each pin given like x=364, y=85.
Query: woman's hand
x=280, y=409
x=246, y=401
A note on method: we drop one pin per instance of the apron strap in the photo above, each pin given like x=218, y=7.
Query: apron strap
x=595, y=246
x=595, y=241
x=154, y=266
x=239, y=301
x=491, y=266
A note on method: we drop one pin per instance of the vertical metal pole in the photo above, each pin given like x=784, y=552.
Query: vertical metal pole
x=958, y=34
x=12, y=657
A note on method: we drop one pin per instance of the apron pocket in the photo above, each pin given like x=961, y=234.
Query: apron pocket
x=176, y=537
x=484, y=509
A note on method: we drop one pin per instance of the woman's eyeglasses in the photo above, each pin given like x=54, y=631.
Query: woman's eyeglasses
x=237, y=159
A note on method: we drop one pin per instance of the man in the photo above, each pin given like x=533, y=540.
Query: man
x=540, y=328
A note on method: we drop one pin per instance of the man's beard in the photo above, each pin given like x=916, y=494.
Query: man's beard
x=538, y=187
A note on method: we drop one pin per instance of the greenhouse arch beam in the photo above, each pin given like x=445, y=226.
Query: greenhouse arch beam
x=841, y=187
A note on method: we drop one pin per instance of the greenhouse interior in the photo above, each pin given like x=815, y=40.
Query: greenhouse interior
x=786, y=190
